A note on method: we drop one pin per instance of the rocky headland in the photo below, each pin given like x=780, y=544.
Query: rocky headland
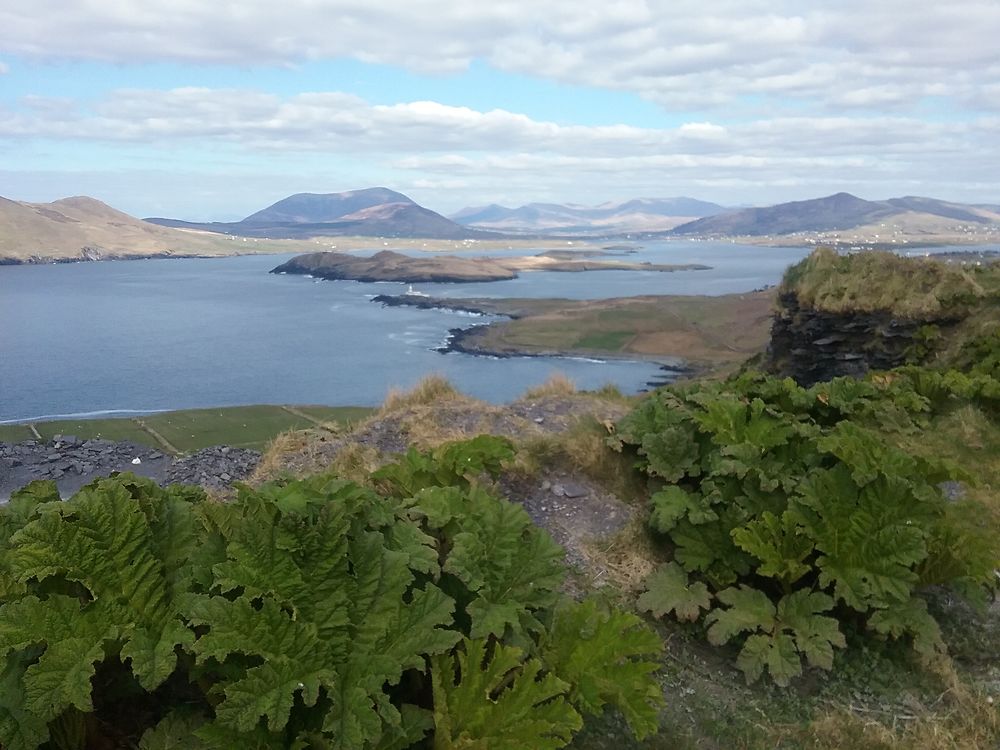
x=811, y=345
x=848, y=315
x=389, y=265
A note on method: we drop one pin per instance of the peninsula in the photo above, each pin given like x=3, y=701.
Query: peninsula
x=699, y=333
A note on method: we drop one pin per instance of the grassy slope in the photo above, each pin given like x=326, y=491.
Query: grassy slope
x=713, y=332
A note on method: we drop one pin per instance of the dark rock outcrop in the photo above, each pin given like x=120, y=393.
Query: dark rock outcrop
x=812, y=345
x=72, y=463
x=215, y=468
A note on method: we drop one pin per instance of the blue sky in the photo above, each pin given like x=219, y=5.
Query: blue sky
x=211, y=111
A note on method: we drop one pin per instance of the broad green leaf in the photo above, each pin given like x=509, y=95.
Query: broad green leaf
x=237, y=626
x=23, y=502
x=416, y=632
x=815, y=635
x=152, y=654
x=779, y=543
x=20, y=728
x=511, y=566
x=269, y=691
x=671, y=504
x=70, y=639
x=215, y=735
x=709, y=548
x=866, y=454
x=607, y=658
x=749, y=609
x=669, y=590
x=101, y=539
x=499, y=701
x=871, y=539
x=910, y=618
x=175, y=731
x=61, y=678
x=775, y=652
x=672, y=453
x=414, y=724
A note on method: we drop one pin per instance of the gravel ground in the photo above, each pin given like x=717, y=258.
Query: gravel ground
x=72, y=463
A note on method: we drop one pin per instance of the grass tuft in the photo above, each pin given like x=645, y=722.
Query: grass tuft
x=430, y=389
x=557, y=385
x=272, y=460
x=583, y=449
x=884, y=281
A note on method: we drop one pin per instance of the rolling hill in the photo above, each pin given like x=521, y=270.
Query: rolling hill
x=82, y=228
x=843, y=211
x=319, y=208
x=372, y=212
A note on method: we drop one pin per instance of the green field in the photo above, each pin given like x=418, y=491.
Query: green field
x=193, y=429
x=106, y=429
x=14, y=433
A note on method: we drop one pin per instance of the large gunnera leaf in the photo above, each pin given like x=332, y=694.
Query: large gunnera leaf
x=780, y=635
x=491, y=698
x=669, y=590
x=109, y=565
x=510, y=568
x=319, y=606
x=607, y=658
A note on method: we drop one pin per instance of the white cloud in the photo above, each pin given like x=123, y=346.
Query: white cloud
x=4, y=68
x=680, y=53
x=450, y=156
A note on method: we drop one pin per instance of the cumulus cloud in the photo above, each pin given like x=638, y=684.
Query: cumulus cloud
x=461, y=155
x=680, y=53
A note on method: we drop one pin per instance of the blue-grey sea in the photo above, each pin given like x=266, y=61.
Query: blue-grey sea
x=146, y=335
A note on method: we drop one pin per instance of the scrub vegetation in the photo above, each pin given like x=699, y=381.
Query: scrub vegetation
x=729, y=563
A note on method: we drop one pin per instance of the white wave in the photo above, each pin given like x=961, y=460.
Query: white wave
x=81, y=415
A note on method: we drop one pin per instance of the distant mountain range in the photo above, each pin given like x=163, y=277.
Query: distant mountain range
x=83, y=228
x=636, y=215
x=843, y=211
x=372, y=212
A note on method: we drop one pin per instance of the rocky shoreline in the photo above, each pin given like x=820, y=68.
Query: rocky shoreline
x=35, y=260
x=458, y=339
x=461, y=340
x=435, y=303
x=72, y=463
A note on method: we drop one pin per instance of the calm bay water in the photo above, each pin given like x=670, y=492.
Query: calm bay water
x=139, y=336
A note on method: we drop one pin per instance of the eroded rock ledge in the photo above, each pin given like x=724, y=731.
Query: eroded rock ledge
x=811, y=345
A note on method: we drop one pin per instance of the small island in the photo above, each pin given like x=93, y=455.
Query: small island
x=389, y=265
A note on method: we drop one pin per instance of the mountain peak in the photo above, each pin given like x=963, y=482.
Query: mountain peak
x=320, y=208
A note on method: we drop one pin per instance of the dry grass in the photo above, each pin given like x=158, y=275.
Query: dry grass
x=432, y=425
x=884, y=281
x=582, y=449
x=960, y=718
x=557, y=385
x=627, y=559
x=272, y=459
x=355, y=462
x=430, y=389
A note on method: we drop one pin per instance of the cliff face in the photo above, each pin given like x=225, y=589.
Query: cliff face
x=811, y=345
